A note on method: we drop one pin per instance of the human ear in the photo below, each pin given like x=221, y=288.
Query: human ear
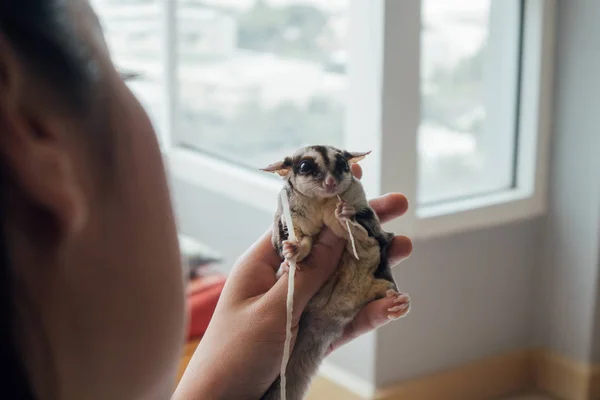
x=33, y=148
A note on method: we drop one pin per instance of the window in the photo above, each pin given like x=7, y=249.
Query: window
x=267, y=78
x=469, y=97
x=452, y=96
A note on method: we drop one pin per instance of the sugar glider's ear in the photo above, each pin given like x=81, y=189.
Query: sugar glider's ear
x=281, y=167
x=354, y=157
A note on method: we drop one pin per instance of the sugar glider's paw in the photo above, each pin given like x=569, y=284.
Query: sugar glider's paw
x=290, y=250
x=344, y=211
x=297, y=252
x=284, y=268
x=400, y=304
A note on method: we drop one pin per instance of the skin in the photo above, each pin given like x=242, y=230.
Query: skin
x=93, y=247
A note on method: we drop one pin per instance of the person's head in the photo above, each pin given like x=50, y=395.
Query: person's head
x=92, y=290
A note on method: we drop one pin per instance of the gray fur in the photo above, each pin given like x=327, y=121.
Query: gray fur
x=354, y=284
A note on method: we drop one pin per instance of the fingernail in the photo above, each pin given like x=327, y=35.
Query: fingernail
x=393, y=317
x=401, y=299
x=398, y=308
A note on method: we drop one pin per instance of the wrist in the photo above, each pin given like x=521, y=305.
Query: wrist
x=198, y=387
x=201, y=380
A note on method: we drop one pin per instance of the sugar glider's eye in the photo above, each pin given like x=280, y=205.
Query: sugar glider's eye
x=343, y=165
x=305, y=167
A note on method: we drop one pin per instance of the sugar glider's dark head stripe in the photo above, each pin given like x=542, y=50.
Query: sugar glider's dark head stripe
x=324, y=152
x=340, y=161
x=341, y=166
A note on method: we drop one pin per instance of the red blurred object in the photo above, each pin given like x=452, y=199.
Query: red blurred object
x=203, y=293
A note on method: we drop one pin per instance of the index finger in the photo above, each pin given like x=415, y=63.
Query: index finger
x=357, y=171
x=389, y=206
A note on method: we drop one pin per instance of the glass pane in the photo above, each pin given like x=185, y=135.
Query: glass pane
x=259, y=78
x=133, y=30
x=469, y=87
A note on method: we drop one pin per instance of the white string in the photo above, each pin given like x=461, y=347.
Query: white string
x=350, y=234
x=290, y=295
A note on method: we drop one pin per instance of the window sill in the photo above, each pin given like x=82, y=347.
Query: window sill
x=449, y=218
x=477, y=213
x=221, y=177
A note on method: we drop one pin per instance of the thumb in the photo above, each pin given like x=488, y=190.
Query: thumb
x=315, y=271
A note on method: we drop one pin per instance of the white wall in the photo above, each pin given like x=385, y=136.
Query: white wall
x=471, y=299
x=200, y=215
x=568, y=272
x=596, y=334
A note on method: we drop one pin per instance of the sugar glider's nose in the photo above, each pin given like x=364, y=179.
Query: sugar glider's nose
x=330, y=182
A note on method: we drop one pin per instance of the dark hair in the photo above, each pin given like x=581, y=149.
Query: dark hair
x=43, y=37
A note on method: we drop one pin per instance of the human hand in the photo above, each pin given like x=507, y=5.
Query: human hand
x=240, y=354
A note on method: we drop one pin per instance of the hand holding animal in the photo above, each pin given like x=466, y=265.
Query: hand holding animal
x=321, y=191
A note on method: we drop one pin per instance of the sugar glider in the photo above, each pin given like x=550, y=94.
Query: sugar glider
x=314, y=177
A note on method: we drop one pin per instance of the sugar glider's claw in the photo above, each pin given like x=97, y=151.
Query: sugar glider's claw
x=400, y=304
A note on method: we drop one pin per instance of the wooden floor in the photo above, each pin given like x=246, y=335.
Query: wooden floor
x=530, y=397
x=315, y=396
x=319, y=392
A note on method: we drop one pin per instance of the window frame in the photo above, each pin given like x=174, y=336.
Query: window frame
x=385, y=87
x=501, y=79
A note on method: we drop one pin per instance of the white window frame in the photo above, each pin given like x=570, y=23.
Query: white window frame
x=384, y=71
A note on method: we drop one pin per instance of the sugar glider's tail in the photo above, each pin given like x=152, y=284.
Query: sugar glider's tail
x=309, y=351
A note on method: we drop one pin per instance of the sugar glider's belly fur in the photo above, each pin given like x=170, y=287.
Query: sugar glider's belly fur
x=351, y=286
x=354, y=283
